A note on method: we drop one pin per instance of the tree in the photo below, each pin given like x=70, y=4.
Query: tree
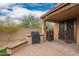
x=25, y=23
x=30, y=22
x=49, y=25
x=35, y=24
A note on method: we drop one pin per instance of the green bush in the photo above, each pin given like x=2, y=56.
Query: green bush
x=35, y=24
x=1, y=27
x=11, y=28
x=3, y=52
x=30, y=22
x=26, y=24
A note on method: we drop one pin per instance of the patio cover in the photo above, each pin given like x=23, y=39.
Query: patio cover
x=64, y=11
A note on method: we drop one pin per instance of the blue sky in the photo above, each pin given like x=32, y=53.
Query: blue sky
x=34, y=6
x=37, y=6
x=19, y=10
x=29, y=6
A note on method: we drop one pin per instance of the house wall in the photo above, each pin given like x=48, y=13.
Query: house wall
x=77, y=30
x=56, y=31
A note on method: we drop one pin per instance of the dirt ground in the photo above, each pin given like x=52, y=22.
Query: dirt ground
x=53, y=48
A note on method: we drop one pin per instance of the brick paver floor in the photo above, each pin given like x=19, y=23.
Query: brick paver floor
x=54, y=48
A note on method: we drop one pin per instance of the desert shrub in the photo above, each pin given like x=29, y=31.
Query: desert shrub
x=25, y=24
x=35, y=24
x=11, y=28
x=30, y=22
x=1, y=27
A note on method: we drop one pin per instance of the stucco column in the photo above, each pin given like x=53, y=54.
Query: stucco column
x=78, y=30
x=44, y=29
x=56, y=31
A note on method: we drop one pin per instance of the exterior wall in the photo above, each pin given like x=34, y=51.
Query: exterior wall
x=3, y=39
x=43, y=26
x=44, y=30
x=56, y=31
x=77, y=30
x=21, y=34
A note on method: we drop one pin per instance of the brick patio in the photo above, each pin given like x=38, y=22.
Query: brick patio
x=54, y=48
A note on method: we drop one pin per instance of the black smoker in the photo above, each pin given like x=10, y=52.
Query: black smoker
x=35, y=37
x=49, y=35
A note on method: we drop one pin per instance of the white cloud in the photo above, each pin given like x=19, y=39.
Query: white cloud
x=16, y=21
x=6, y=11
x=38, y=13
x=3, y=18
x=4, y=5
x=19, y=12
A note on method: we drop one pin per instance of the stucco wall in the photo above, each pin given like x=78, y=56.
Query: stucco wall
x=3, y=39
x=77, y=30
x=20, y=34
x=56, y=31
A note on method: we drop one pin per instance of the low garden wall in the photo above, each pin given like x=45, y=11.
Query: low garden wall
x=20, y=34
